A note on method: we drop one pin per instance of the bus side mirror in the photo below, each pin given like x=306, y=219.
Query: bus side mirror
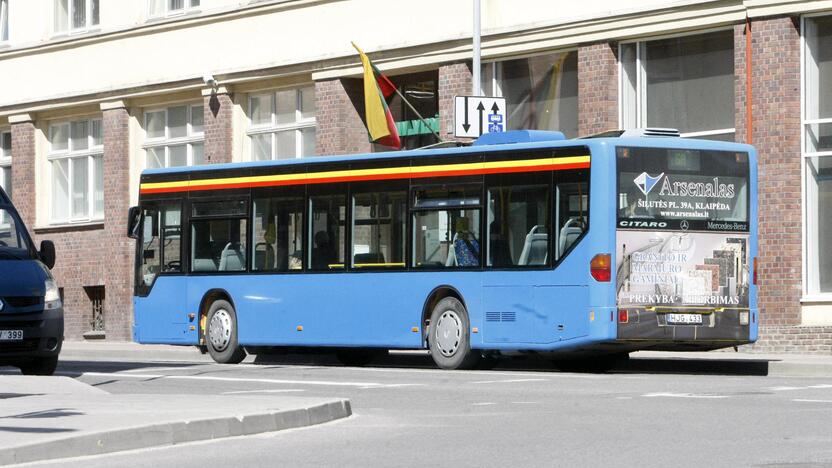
x=134, y=222
x=47, y=253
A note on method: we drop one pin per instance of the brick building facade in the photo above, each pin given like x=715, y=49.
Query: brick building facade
x=312, y=104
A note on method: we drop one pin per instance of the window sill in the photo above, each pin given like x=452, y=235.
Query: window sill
x=80, y=226
x=822, y=298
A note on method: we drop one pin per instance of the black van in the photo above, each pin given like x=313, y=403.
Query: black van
x=31, y=312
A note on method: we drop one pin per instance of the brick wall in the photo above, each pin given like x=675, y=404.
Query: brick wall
x=776, y=134
x=118, y=255
x=597, y=88
x=739, y=84
x=218, y=109
x=454, y=80
x=339, y=106
x=23, y=170
x=791, y=339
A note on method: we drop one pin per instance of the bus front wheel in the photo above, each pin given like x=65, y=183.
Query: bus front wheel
x=449, y=337
x=221, y=334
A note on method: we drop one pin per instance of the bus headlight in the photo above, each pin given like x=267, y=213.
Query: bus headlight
x=52, y=297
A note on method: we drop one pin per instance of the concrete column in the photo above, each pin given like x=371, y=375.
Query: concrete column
x=597, y=88
x=23, y=166
x=776, y=134
x=118, y=309
x=219, y=125
x=454, y=80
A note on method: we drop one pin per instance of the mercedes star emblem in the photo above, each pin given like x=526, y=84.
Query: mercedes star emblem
x=684, y=225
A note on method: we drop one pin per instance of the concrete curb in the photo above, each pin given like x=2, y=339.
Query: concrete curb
x=173, y=433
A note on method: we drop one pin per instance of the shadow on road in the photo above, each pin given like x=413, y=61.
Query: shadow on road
x=698, y=366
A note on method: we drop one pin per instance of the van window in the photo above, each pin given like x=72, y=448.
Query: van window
x=13, y=240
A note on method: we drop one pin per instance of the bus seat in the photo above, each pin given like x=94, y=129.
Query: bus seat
x=231, y=259
x=203, y=264
x=535, y=248
x=569, y=233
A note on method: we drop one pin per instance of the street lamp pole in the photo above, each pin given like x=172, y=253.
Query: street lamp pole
x=475, y=79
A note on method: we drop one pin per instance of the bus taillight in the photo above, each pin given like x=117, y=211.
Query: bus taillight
x=600, y=268
x=754, y=274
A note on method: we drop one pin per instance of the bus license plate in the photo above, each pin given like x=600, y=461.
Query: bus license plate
x=11, y=335
x=684, y=319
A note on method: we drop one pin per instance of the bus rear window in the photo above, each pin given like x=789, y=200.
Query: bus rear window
x=670, y=188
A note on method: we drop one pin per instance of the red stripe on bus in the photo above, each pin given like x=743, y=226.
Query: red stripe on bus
x=367, y=177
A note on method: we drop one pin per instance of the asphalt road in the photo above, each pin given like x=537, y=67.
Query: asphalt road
x=408, y=414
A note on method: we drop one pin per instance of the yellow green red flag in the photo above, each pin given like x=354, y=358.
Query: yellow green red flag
x=378, y=118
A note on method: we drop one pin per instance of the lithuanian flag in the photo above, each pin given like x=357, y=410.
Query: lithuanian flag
x=377, y=88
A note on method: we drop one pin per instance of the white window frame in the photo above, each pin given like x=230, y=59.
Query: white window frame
x=808, y=260
x=68, y=28
x=188, y=6
x=273, y=128
x=5, y=167
x=90, y=153
x=4, y=21
x=640, y=118
x=191, y=137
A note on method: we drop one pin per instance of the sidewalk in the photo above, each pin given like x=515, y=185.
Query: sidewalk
x=727, y=362
x=45, y=418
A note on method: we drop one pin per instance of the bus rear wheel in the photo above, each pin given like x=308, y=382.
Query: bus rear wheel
x=449, y=336
x=221, y=334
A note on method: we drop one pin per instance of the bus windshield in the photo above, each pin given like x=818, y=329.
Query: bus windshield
x=13, y=242
x=668, y=188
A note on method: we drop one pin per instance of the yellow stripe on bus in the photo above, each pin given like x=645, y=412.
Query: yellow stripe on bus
x=403, y=170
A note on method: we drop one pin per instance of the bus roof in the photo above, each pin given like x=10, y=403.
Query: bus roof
x=533, y=140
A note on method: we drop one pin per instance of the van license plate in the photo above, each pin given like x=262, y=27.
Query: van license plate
x=683, y=319
x=11, y=335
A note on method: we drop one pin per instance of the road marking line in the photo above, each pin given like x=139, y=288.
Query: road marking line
x=785, y=389
x=508, y=381
x=821, y=386
x=682, y=395
x=287, y=390
x=487, y=403
x=232, y=379
x=154, y=369
x=803, y=400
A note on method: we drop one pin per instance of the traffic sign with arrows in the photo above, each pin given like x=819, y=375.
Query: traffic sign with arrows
x=475, y=115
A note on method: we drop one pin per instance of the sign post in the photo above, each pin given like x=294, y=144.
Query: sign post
x=475, y=115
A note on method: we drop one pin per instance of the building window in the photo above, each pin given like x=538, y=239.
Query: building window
x=174, y=136
x=685, y=83
x=72, y=16
x=77, y=165
x=817, y=152
x=541, y=92
x=96, y=297
x=6, y=162
x=282, y=124
x=5, y=167
x=4, y=20
x=157, y=8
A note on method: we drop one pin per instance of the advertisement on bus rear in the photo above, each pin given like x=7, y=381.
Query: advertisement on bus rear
x=673, y=269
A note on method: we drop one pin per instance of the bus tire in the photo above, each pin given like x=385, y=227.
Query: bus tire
x=221, y=334
x=449, y=336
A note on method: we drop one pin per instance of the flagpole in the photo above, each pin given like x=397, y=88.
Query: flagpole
x=404, y=99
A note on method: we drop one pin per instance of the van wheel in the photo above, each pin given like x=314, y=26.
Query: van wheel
x=221, y=334
x=449, y=336
x=39, y=366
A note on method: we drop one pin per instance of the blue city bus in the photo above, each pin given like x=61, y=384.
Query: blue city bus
x=523, y=242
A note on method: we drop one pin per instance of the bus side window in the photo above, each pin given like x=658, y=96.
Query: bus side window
x=278, y=233
x=572, y=214
x=518, y=225
x=328, y=233
x=446, y=226
x=379, y=229
x=171, y=218
x=151, y=256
